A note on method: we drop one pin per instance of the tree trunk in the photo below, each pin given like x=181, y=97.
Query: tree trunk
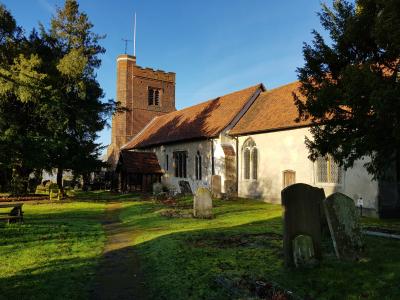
x=60, y=172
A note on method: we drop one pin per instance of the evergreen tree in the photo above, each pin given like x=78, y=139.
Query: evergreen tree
x=20, y=87
x=77, y=112
x=350, y=88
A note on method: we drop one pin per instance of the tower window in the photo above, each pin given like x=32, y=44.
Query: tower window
x=153, y=96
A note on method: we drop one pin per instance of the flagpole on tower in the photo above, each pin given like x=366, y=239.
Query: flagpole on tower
x=134, y=36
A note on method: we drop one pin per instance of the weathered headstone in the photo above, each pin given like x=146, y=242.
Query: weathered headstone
x=303, y=251
x=185, y=187
x=302, y=216
x=202, y=204
x=230, y=188
x=216, y=186
x=157, y=188
x=344, y=226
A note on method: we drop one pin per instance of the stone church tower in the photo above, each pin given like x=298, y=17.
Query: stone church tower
x=145, y=93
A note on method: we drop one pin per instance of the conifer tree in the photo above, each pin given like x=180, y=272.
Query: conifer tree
x=351, y=86
x=77, y=112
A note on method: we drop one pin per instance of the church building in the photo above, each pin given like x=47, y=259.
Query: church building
x=247, y=139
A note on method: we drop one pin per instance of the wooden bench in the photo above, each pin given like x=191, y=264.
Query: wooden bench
x=15, y=214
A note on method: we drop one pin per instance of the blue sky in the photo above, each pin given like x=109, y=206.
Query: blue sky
x=214, y=46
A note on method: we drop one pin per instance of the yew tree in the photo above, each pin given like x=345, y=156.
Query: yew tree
x=350, y=85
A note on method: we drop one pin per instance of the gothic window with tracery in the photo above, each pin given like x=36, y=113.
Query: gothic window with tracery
x=250, y=160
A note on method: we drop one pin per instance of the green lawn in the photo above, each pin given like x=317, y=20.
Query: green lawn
x=222, y=258
x=52, y=255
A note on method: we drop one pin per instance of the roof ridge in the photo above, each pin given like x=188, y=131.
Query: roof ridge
x=280, y=87
x=211, y=100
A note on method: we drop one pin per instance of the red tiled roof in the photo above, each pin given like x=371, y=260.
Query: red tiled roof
x=204, y=120
x=272, y=110
x=139, y=162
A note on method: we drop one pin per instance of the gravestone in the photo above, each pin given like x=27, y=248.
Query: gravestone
x=157, y=188
x=302, y=216
x=303, y=251
x=230, y=188
x=216, y=186
x=202, y=204
x=344, y=226
x=185, y=187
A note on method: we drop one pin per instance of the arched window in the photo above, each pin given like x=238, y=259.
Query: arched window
x=246, y=163
x=254, y=163
x=328, y=171
x=250, y=160
x=197, y=167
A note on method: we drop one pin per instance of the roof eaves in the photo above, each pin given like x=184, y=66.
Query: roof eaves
x=270, y=130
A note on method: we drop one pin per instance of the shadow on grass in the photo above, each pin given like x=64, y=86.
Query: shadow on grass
x=58, y=279
x=188, y=265
x=53, y=255
x=182, y=261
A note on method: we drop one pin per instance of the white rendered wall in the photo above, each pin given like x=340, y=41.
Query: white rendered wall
x=203, y=146
x=286, y=150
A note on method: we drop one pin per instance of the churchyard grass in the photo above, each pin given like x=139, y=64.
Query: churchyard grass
x=53, y=255
x=222, y=258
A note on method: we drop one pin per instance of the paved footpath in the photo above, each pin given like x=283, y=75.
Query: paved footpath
x=118, y=275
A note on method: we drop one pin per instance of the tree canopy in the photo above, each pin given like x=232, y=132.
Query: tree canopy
x=51, y=104
x=350, y=85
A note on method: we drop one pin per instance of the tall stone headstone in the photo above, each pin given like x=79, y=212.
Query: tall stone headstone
x=302, y=216
x=216, y=186
x=344, y=226
x=202, y=204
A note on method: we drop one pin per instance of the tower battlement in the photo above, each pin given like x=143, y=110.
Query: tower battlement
x=145, y=93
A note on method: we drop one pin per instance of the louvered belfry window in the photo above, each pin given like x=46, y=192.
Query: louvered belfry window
x=153, y=96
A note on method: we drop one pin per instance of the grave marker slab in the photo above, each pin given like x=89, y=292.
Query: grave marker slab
x=202, y=204
x=157, y=188
x=344, y=226
x=185, y=187
x=302, y=216
x=216, y=186
x=303, y=251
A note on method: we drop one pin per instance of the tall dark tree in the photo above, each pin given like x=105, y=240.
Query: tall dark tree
x=350, y=86
x=77, y=112
x=20, y=84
